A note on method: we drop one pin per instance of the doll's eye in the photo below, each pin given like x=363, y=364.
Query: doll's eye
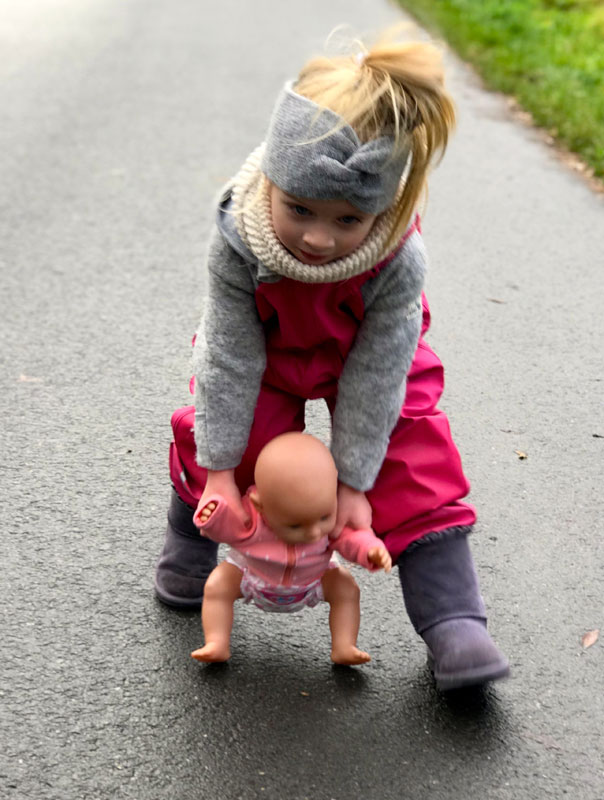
x=301, y=211
x=349, y=220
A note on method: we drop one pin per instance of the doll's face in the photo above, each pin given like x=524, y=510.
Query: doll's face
x=296, y=488
x=302, y=524
x=317, y=231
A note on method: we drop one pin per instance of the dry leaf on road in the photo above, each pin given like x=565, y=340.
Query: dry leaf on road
x=521, y=455
x=589, y=638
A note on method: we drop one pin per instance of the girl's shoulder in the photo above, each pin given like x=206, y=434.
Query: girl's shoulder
x=227, y=226
x=401, y=273
x=411, y=252
x=232, y=243
x=227, y=256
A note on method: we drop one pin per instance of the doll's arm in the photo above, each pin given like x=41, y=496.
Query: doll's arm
x=363, y=547
x=217, y=520
x=371, y=388
x=229, y=359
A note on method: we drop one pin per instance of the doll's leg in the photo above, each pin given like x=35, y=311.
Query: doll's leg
x=222, y=588
x=187, y=558
x=343, y=595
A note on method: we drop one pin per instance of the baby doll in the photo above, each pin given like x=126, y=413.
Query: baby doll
x=284, y=560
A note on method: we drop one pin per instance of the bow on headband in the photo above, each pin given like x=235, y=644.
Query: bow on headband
x=310, y=152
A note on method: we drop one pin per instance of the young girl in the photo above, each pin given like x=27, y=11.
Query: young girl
x=316, y=267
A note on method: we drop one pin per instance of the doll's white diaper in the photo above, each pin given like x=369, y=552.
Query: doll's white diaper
x=268, y=597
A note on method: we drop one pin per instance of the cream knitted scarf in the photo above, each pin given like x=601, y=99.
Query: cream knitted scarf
x=252, y=210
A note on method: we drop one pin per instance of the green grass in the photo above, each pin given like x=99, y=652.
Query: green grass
x=548, y=54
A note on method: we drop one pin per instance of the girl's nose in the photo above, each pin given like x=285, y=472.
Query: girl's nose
x=318, y=238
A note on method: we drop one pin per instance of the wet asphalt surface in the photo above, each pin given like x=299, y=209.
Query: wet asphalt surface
x=120, y=121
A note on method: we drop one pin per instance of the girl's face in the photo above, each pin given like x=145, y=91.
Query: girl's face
x=317, y=231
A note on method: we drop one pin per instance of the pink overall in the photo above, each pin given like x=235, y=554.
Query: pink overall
x=310, y=329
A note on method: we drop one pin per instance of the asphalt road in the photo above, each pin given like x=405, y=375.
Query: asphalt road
x=119, y=121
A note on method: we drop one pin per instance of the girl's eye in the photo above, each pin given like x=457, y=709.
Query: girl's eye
x=294, y=527
x=349, y=220
x=325, y=518
x=301, y=211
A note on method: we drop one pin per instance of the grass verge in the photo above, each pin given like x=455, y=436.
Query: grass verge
x=548, y=54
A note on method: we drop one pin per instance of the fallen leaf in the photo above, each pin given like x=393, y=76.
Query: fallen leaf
x=28, y=379
x=597, y=436
x=589, y=638
x=305, y=694
x=521, y=455
x=546, y=741
x=495, y=300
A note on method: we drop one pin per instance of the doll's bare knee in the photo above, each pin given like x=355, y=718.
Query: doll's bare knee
x=224, y=583
x=339, y=585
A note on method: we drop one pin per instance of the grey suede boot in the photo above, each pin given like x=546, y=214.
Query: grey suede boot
x=442, y=597
x=186, y=560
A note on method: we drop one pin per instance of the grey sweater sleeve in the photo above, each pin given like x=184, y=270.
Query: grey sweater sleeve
x=229, y=359
x=372, y=385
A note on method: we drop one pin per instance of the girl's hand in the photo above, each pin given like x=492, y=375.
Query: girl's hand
x=354, y=510
x=221, y=482
x=379, y=557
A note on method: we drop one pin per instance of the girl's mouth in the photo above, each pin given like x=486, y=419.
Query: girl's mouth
x=312, y=258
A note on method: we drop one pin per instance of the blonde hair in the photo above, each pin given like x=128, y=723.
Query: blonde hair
x=393, y=88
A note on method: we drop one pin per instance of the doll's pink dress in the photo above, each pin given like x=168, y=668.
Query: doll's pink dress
x=278, y=576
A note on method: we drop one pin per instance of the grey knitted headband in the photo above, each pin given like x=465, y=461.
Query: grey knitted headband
x=311, y=152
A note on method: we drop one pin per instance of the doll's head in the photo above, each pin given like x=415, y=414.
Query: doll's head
x=296, y=488
x=359, y=129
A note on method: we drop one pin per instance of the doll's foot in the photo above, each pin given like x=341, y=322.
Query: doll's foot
x=461, y=653
x=212, y=652
x=349, y=656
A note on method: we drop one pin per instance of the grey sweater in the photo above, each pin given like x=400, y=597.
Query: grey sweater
x=230, y=357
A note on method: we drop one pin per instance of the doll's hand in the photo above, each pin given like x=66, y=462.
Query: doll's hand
x=204, y=515
x=221, y=482
x=379, y=557
x=354, y=510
